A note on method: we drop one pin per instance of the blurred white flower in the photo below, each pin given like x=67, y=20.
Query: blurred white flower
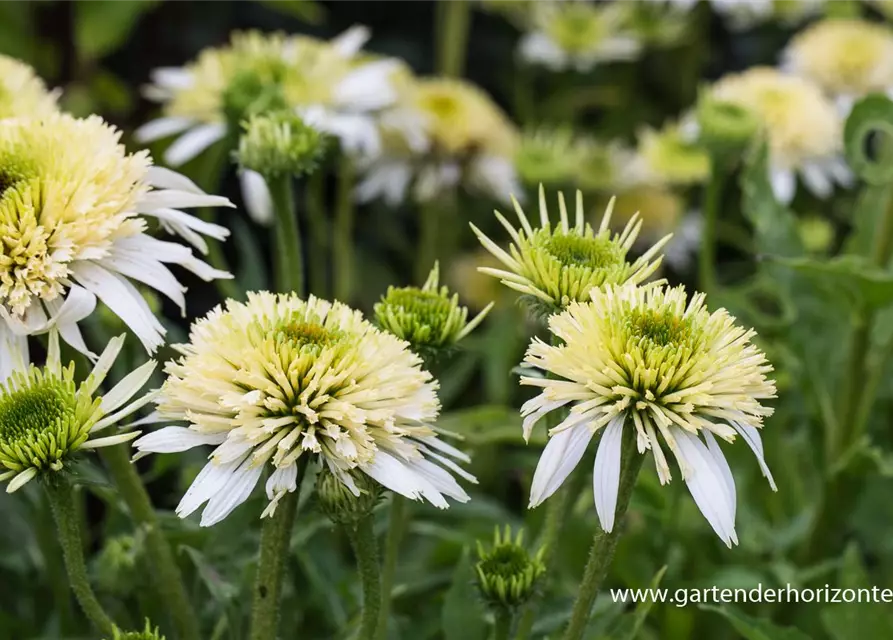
x=22, y=93
x=577, y=34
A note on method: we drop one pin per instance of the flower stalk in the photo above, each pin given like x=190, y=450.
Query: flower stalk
x=288, y=262
x=61, y=497
x=604, y=544
x=275, y=536
x=168, y=578
x=453, y=22
x=344, y=227
x=397, y=521
x=712, y=201
x=362, y=538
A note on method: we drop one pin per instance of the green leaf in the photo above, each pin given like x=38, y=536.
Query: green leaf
x=755, y=628
x=632, y=625
x=101, y=26
x=857, y=620
x=853, y=275
x=253, y=274
x=461, y=614
x=489, y=424
x=220, y=589
x=775, y=226
x=871, y=116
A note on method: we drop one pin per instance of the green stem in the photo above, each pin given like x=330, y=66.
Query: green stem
x=275, y=536
x=453, y=22
x=167, y=575
x=62, y=502
x=365, y=548
x=712, y=200
x=602, y=551
x=317, y=250
x=344, y=224
x=505, y=619
x=399, y=517
x=288, y=263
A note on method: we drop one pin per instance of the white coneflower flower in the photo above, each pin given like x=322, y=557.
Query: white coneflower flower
x=848, y=58
x=802, y=126
x=577, y=34
x=648, y=359
x=461, y=137
x=329, y=84
x=743, y=14
x=278, y=377
x=22, y=93
x=556, y=265
x=668, y=157
x=46, y=418
x=70, y=205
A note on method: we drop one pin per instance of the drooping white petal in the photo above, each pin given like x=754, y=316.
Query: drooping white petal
x=237, y=489
x=164, y=178
x=368, y=87
x=707, y=486
x=561, y=456
x=256, y=195
x=193, y=142
x=723, y=465
x=210, y=480
x=162, y=128
x=123, y=299
x=175, y=439
x=606, y=473
x=391, y=473
x=784, y=184
x=20, y=480
x=14, y=354
x=752, y=437
x=102, y=366
x=816, y=180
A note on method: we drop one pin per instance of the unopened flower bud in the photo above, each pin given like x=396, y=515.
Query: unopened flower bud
x=345, y=504
x=279, y=143
x=725, y=128
x=148, y=633
x=507, y=574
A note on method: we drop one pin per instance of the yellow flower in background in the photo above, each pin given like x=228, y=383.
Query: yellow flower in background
x=461, y=137
x=72, y=202
x=555, y=265
x=802, y=126
x=578, y=35
x=848, y=58
x=277, y=378
x=22, y=93
x=652, y=360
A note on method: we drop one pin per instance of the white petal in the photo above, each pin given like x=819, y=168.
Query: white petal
x=117, y=416
x=193, y=142
x=707, y=486
x=390, y=472
x=144, y=267
x=256, y=195
x=606, y=472
x=210, y=480
x=349, y=43
x=561, y=456
x=102, y=366
x=20, y=480
x=175, y=199
x=723, y=465
x=14, y=354
x=237, y=489
x=284, y=479
x=816, y=180
x=110, y=441
x=439, y=478
x=784, y=183
x=123, y=299
x=163, y=178
x=127, y=387
x=752, y=437
x=161, y=128
x=176, y=439
x=367, y=87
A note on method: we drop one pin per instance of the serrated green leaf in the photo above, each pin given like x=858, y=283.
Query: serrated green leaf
x=752, y=628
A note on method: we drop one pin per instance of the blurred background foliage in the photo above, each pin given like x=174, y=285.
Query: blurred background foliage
x=100, y=53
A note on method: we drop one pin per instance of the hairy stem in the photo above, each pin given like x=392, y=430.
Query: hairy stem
x=399, y=517
x=61, y=498
x=602, y=551
x=505, y=618
x=275, y=536
x=365, y=548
